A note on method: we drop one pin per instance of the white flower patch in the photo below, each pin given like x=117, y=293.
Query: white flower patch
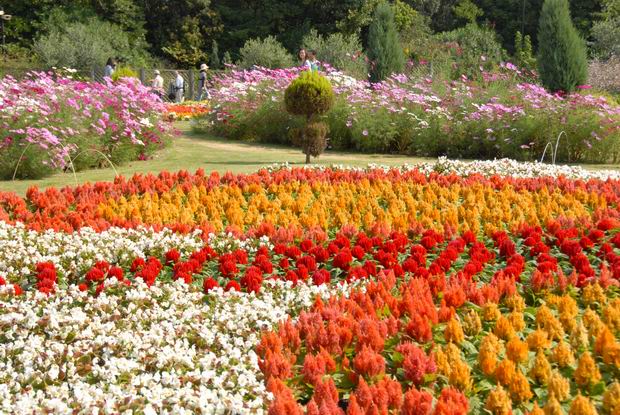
x=167, y=349
x=487, y=168
x=74, y=253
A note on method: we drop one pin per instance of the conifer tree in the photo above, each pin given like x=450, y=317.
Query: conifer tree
x=385, y=53
x=214, y=58
x=562, y=61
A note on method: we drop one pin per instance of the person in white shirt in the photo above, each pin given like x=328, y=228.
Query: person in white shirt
x=110, y=65
x=157, y=84
x=179, y=85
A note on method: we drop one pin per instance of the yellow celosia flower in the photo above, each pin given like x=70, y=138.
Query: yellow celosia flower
x=441, y=360
x=520, y=388
x=538, y=339
x=563, y=355
x=611, y=399
x=453, y=332
x=516, y=350
x=503, y=328
x=490, y=348
x=541, y=370
x=517, y=321
x=460, y=375
x=582, y=406
x=593, y=294
x=536, y=410
x=611, y=315
x=490, y=312
x=587, y=372
x=471, y=323
x=592, y=322
x=547, y=321
x=498, y=402
x=558, y=386
x=568, y=310
x=579, y=337
x=553, y=407
x=516, y=303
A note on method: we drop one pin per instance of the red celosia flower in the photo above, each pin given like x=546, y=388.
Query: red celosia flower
x=419, y=329
x=94, y=275
x=209, y=284
x=232, y=285
x=343, y=259
x=320, y=277
x=137, y=264
x=451, y=402
x=417, y=403
x=368, y=363
x=416, y=363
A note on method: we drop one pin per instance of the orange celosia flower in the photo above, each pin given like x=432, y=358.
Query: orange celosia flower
x=579, y=337
x=547, y=322
x=592, y=322
x=587, y=372
x=536, y=410
x=505, y=372
x=503, y=329
x=593, y=294
x=520, y=388
x=582, y=406
x=490, y=348
x=516, y=350
x=516, y=303
x=538, y=339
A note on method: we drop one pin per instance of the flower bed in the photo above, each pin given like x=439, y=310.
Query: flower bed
x=51, y=123
x=186, y=111
x=501, y=116
x=334, y=290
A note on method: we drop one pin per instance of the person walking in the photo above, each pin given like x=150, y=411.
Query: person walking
x=110, y=66
x=157, y=84
x=179, y=86
x=203, y=92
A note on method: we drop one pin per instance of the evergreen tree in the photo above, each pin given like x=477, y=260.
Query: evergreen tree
x=384, y=50
x=562, y=61
x=214, y=59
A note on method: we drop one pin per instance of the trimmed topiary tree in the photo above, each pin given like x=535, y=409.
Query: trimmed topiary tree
x=310, y=95
x=384, y=49
x=562, y=60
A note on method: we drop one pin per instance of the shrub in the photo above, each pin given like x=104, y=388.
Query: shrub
x=214, y=58
x=524, y=56
x=562, y=62
x=473, y=46
x=342, y=52
x=267, y=53
x=310, y=95
x=82, y=45
x=606, y=34
x=124, y=72
x=384, y=49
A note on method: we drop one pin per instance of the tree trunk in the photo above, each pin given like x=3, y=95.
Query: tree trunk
x=307, y=158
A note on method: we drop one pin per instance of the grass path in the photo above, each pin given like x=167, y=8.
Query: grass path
x=191, y=152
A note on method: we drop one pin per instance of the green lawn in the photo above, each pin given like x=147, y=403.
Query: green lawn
x=191, y=152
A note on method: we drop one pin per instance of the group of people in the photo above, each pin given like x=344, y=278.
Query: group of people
x=176, y=89
x=307, y=59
